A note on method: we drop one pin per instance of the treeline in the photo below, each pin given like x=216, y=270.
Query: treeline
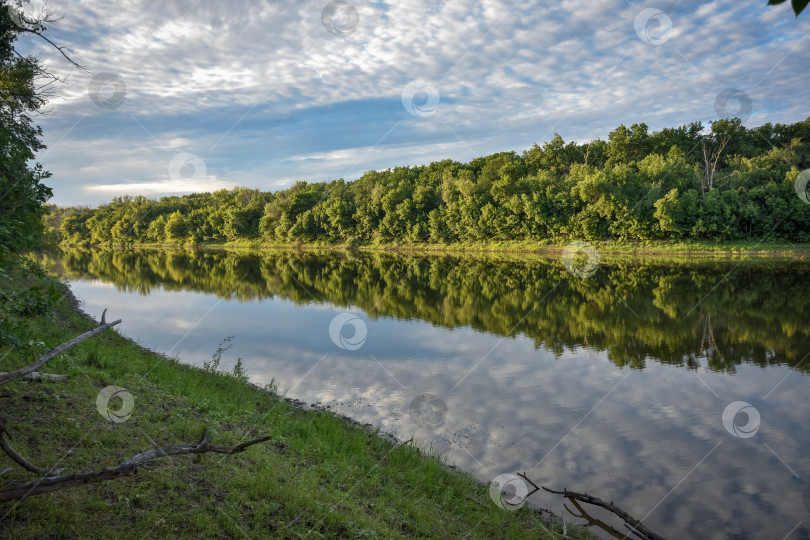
x=676, y=314
x=725, y=183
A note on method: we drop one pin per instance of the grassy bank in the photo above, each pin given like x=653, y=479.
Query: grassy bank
x=650, y=248
x=319, y=476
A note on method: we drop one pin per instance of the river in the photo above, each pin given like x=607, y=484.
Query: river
x=677, y=389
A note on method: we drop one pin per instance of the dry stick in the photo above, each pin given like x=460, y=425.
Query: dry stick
x=127, y=468
x=23, y=371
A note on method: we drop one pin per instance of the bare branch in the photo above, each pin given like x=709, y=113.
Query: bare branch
x=529, y=480
x=24, y=463
x=59, y=48
x=635, y=525
x=592, y=521
x=23, y=371
x=127, y=468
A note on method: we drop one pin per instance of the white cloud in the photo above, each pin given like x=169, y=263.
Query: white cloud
x=508, y=74
x=164, y=187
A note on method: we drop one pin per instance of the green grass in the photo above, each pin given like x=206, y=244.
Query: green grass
x=320, y=476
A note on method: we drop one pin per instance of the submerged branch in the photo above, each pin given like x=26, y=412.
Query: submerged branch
x=634, y=524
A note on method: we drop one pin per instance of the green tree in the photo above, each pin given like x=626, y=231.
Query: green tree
x=176, y=228
x=22, y=193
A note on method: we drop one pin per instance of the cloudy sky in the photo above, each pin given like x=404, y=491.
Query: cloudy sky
x=187, y=95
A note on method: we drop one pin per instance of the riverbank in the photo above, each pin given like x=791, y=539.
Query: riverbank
x=320, y=475
x=650, y=248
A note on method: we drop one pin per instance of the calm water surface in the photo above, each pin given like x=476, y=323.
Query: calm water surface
x=614, y=384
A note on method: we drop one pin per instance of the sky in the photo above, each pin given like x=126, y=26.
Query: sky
x=188, y=96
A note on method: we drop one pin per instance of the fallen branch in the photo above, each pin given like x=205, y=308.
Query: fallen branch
x=23, y=371
x=37, y=376
x=17, y=458
x=635, y=525
x=127, y=468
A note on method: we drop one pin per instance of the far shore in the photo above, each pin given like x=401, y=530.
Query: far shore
x=731, y=250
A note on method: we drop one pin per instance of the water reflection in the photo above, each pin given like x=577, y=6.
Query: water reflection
x=672, y=313
x=615, y=385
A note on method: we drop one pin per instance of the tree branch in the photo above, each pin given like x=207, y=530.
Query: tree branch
x=24, y=463
x=23, y=371
x=635, y=525
x=127, y=468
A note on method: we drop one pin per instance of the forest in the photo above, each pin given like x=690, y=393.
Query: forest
x=724, y=182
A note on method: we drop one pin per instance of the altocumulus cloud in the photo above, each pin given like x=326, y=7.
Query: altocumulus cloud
x=264, y=95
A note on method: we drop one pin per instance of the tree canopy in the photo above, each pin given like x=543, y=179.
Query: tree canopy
x=22, y=192
x=722, y=182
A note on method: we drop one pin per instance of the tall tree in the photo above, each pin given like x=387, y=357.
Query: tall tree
x=24, y=88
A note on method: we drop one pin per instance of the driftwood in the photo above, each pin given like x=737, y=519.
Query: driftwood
x=26, y=370
x=127, y=468
x=635, y=526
